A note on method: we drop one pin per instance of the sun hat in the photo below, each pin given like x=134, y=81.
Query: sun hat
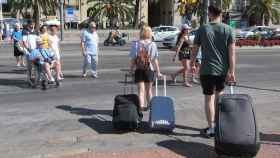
x=185, y=27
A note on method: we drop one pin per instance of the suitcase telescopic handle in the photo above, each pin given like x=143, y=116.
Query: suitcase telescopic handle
x=231, y=87
x=126, y=84
x=164, y=85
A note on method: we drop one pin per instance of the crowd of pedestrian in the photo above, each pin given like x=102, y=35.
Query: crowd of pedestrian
x=212, y=52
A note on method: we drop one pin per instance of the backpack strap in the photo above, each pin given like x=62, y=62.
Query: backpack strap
x=143, y=46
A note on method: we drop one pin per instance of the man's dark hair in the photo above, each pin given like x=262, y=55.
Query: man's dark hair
x=216, y=11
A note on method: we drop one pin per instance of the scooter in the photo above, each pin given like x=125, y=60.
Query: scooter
x=115, y=39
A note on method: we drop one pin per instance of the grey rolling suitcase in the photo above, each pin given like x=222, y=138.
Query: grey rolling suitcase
x=162, y=114
x=236, y=132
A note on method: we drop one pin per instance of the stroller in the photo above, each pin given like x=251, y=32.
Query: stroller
x=115, y=38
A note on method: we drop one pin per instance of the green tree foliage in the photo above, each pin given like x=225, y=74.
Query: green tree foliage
x=48, y=7
x=113, y=11
x=264, y=11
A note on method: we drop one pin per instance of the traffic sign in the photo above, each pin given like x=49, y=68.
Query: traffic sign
x=70, y=11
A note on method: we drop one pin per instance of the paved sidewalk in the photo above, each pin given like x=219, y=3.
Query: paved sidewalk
x=270, y=148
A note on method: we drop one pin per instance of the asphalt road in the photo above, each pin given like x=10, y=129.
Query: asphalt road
x=77, y=115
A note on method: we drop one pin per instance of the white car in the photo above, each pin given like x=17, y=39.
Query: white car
x=161, y=32
x=251, y=31
x=171, y=40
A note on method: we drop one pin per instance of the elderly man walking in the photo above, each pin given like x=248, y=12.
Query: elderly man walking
x=89, y=46
x=218, y=61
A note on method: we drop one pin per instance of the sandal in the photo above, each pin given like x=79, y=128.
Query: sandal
x=173, y=77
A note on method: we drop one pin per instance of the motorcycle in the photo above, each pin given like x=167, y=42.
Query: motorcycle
x=115, y=39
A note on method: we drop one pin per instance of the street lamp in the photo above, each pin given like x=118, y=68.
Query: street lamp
x=61, y=20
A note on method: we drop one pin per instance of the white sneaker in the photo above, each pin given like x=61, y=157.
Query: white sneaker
x=173, y=78
x=194, y=80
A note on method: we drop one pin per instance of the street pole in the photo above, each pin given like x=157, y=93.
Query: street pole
x=1, y=13
x=61, y=20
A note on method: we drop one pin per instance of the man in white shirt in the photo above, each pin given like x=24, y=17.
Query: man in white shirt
x=29, y=42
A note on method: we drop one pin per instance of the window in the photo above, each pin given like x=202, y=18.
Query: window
x=171, y=29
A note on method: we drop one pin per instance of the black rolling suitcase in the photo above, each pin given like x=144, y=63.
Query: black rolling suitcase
x=236, y=132
x=126, y=114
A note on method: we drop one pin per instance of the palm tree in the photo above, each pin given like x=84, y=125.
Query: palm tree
x=226, y=4
x=264, y=11
x=114, y=11
x=48, y=7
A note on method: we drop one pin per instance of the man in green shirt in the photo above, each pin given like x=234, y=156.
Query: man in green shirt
x=217, y=44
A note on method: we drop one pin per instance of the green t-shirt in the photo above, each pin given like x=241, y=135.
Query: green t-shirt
x=214, y=39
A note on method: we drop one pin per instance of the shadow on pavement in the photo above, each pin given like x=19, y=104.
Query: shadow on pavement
x=84, y=111
x=100, y=121
x=97, y=121
x=144, y=128
x=189, y=149
x=14, y=71
x=270, y=138
x=72, y=76
x=99, y=125
x=14, y=82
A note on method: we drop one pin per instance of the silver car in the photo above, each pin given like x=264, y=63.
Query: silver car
x=161, y=32
x=171, y=40
x=252, y=31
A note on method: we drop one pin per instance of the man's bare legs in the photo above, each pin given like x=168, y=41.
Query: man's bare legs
x=210, y=106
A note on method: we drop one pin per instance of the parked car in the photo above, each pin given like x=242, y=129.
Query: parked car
x=171, y=40
x=161, y=32
x=52, y=22
x=251, y=32
x=276, y=33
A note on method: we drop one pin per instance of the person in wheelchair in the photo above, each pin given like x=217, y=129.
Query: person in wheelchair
x=43, y=59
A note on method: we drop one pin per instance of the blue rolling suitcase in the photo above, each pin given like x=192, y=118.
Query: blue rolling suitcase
x=162, y=114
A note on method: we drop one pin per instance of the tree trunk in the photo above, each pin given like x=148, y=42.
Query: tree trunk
x=37, y=15
x=136, y=12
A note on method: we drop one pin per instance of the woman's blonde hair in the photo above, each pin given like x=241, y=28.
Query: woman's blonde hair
x=146, y=32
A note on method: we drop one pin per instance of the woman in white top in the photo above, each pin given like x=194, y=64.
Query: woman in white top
x=54, y=46
x=144, y=75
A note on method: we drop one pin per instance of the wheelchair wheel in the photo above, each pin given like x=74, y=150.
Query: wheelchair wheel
x=57, y=83
x=44, y=84
x=33, y=76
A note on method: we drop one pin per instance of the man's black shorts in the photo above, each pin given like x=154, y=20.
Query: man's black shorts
x=144, y=76
x=17, y=52
x=211, y=84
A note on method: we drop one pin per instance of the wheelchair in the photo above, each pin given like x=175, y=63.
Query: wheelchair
x=37, y=77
